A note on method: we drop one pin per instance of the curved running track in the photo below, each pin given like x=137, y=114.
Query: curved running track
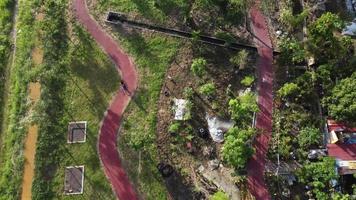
x=255, y=167
x=107, y=147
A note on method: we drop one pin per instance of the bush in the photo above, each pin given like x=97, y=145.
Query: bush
x=174, y=127
x=207, y=89
x=288, y=90
x=236, y=151
x=341, y=103
x=309, y=136
x=188, y=92
x=219, y=195
x=242, y=108
x=247, y=81
x=198, y=67
x=240, y=60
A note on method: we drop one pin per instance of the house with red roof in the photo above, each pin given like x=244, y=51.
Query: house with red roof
x=342, y=146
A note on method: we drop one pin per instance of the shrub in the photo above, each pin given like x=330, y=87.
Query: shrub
x=247, y=81
x=309, y=136
x=198, y=67
x=188, y=92
x=242, y=108
x=288, y=90
x=174, y=127
x=240, y=60
x=207, y=89
x=236, y=150
x=219, y=195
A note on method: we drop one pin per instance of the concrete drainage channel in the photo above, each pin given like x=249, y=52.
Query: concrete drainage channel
x=120, y=19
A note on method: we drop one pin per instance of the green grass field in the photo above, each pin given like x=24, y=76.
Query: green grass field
x=91, y=84
x=78, y=81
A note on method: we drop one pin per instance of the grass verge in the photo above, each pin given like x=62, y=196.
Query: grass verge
x=11, y=158
x=78, y=82
x=6, y=13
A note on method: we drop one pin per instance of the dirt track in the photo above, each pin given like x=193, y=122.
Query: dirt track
x=255, y=167
x=107, y=144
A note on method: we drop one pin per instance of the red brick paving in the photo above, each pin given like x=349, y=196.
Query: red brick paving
x=255, y=167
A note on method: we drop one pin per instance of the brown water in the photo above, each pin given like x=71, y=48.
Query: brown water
x=31, y=138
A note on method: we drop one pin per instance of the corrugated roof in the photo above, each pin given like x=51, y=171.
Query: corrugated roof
x=342, y=151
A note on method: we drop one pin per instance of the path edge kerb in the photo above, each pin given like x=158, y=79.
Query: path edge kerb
x=132, y=90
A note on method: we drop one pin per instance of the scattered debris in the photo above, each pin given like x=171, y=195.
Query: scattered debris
x=214, y=164
x=180, y=109
x=217, y=127
x=316, y=153
x=208, y=151
x=165, y=169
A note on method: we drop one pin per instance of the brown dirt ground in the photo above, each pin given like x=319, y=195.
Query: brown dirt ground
x=173, y=150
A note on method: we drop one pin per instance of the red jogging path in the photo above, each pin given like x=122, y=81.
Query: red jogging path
x=107, y=144
x=255, y=167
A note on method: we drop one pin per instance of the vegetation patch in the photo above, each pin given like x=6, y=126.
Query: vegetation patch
x=6, y=13
x=11, y=158
x=78, y=82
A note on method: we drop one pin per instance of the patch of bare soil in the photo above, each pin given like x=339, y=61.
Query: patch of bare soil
x=188, y=149
x=34, y=94
x=30, y=147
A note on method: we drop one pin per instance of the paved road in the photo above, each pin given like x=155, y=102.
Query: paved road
x=107, y=144
x=255, y=167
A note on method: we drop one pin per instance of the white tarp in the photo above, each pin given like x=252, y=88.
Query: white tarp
x=217, y=127
x=180, y=108
x=350, y=29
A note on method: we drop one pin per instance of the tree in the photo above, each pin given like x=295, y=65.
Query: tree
x=322, y=43
x=288, y=90
x=309, y=136
x=240, y=59
x=207, y=89
x=292, y=51
x=242, y=108
x=318, y=175
x=341, y=104
x=236, y=150
x=198, y=66
x=219, y=195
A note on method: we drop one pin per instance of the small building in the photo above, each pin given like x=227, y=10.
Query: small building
x=342, y=146
x=74, y=180
x=77, y=132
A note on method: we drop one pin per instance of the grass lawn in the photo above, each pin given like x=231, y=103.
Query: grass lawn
x=91, y=83
x=139, y=126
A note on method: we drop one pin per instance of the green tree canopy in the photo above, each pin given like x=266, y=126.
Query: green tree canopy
x=318, y=175
x=322, y=42
x=236, y=150
x=288, y=90
x=242, y=108
x=309, y=136
x=342, y=102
